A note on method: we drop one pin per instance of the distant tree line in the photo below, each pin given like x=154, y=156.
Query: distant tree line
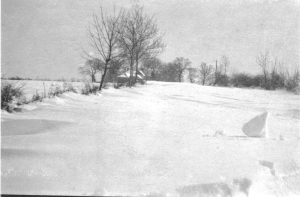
x=129, y=40
x=273, y=75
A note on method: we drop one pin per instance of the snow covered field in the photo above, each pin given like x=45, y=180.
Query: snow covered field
x=153, y=140
x=41, y=87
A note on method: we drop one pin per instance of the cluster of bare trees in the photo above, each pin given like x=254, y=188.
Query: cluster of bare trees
x=176, y=70
x=274, y=75
x=173, y=71
x=208, y=74
x=205, y=71
x=130, y=40
x=122, y=38
x=91, y=67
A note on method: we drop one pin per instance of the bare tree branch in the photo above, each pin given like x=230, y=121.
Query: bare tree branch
x=205, y=72
x=102, y=34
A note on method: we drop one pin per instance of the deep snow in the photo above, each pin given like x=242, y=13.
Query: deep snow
x=156, y=139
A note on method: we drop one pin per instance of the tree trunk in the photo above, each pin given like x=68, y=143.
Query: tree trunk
x=93, y=78
x=136, y=69
x=131, y=72
x=114, y=78
x=103, y=76
x=153, y=75
x=265, y=80
x=216, y=73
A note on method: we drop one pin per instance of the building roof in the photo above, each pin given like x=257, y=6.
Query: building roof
x=126, y=74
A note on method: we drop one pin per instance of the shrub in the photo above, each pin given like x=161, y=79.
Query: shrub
x=89, y=89
x=265, y=82
x=10, y=92
x=37, y=97
x=293, y=82
x=54, y=90
x=68, y=87
x=257, y=80
x=242, y=80
x=276, y=81
x=22, y=100
x=221, y=79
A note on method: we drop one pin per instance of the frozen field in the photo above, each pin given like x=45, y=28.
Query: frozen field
x=153, y=140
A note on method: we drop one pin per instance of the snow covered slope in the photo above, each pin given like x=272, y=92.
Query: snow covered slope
x=155, y=140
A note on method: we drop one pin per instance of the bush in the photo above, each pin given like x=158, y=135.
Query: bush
x=54, y=90
x=293, y=82
x=89, y=89
x=37, y=97
x=222, y=80
x=276, y=81
x=257, y=80
x=22, y=100
x=68, y=87
x=242, y=80
x=9, y=93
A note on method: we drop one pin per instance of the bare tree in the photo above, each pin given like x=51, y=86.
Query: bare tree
x=91, y=68
x=138, y=38
x=127, y=40
x=149, y=40
x=152, y=67
x=115, y=68
x=103, y=34
x=263, y=61
x=181, y=65
x=216, y=73
x=277, y=76
x=205, y=72
x=225, y=63
x=192, y=74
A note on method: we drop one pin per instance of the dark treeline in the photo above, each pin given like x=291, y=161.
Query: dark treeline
x=273, y=75
x=129, y=40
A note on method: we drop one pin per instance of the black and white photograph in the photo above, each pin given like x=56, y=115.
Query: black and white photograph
x=150, y=98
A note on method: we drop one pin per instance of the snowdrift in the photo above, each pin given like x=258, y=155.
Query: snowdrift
x=150, y=141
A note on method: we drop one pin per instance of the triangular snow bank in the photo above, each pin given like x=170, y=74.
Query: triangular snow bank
x=257, y=126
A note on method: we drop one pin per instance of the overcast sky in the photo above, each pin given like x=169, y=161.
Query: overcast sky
x=44, y=37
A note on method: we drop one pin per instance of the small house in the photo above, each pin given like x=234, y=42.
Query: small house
x=123, y=78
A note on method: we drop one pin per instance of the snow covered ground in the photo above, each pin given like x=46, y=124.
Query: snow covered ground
x=32, y=87
x=153, y=140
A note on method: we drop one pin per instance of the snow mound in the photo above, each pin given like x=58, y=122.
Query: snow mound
x=257, y=126
x=59, y=100
x=269, y=165
x=273, y=179
x=29, y=107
